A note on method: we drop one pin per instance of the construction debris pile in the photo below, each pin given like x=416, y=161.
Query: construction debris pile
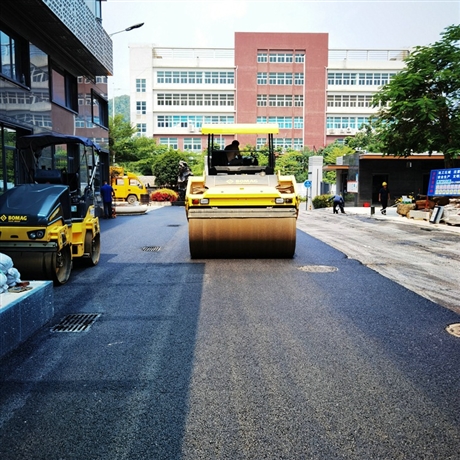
x=9, y=276
x=450, y=209
x=451, y=214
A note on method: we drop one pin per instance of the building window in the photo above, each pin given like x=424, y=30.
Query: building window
x=64, y=89
x=177, y=77
x=300, y=57
x=141, y=129
x=141, y=85
x=282, y=142
x=280, y=100
x=192, y=143
x=99, y=110
x=261, y=78
x=283, y=122
x=280, y=78
x=261, y=142
x=349, y=100
x=171, y=142
x=14, y=58
x=346, y=122
x=298, y=78
x=261, y=100
x=361, y=79
x=141, y=107
x=298, y=122
x=298, y=144
x=280, y=57
x=192, y=99
x=298, y=100
x=262, y=57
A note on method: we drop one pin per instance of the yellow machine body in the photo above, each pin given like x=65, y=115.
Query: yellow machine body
x=243, y=210
x=127, y=186
x=49, y=219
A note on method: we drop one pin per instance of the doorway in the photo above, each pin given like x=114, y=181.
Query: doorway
x=377, y=180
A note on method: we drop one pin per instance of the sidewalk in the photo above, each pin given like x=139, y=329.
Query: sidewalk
x=394, y=216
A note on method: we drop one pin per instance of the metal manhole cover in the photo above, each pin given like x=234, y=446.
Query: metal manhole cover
x=318, y=269
x=76, y=323
x=454, y=329
x=151, y=248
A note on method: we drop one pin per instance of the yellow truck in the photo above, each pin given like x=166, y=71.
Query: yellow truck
x=127, y=186
x=241, y=209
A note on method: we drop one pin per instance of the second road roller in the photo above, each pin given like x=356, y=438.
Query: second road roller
x=241, y=208
x=49, y=219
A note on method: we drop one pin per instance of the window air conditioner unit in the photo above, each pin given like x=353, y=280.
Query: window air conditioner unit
x=331, y=131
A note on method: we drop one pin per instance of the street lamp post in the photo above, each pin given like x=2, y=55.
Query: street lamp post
x=135, y=26
x=128, y=29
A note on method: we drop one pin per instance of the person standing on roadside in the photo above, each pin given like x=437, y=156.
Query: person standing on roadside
x=384, y=196
x=107, y=195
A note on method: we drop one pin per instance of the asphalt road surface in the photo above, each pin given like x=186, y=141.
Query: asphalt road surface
x=318, y=357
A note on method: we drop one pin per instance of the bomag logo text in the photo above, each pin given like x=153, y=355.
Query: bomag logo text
x=246, y=181
x=17, y=218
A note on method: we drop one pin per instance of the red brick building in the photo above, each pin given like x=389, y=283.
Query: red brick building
x=283, y=77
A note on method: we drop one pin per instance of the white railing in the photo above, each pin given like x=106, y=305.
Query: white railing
x=368, y=55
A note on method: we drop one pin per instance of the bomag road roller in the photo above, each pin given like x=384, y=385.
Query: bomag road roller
x=49, y=219
x=240, y=208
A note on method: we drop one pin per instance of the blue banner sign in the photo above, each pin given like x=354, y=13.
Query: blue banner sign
x=444, y=182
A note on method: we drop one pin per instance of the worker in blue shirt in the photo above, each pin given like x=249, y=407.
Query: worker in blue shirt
x=337, y=201
x=107, y=194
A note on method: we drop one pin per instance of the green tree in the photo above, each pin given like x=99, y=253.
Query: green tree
x=119, y=105
x=165, y=168
x=121, y=141
x=295, y=163
x=365, y=139
x=330, y=154
x=419, y=108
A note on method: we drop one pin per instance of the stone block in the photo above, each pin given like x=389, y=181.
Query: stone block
x=22, y=314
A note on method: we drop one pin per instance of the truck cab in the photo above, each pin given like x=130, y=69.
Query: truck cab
x=128, y=186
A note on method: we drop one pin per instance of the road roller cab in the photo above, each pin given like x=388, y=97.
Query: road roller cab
x=49, y=218
x=241, y=207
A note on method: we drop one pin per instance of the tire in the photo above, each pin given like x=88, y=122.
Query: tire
x=61, y=265
x=93, y=248
x=131, y=199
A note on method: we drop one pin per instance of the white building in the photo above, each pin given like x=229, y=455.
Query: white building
x=173, y=91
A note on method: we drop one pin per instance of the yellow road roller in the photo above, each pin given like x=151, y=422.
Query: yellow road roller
x=241, y=208
x=49, y=219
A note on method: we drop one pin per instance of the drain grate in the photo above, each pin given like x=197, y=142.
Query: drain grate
x=173, y=225
x=318, y=269
x=151, y=248
x=76, y=323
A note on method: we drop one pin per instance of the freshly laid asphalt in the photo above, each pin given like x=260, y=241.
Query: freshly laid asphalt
x=318, y=357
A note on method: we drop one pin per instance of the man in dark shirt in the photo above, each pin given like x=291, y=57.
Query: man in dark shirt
x=384, y=196
x=107, y=194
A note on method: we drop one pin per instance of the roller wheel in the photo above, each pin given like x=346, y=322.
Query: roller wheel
x=61, y=265
x=131, y=199
x=93, y=248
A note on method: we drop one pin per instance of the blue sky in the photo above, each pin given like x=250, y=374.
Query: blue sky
x=363, y=24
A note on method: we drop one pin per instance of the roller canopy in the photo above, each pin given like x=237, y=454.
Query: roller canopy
x=37, y=141
x=241, y=128
x=34, y=204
